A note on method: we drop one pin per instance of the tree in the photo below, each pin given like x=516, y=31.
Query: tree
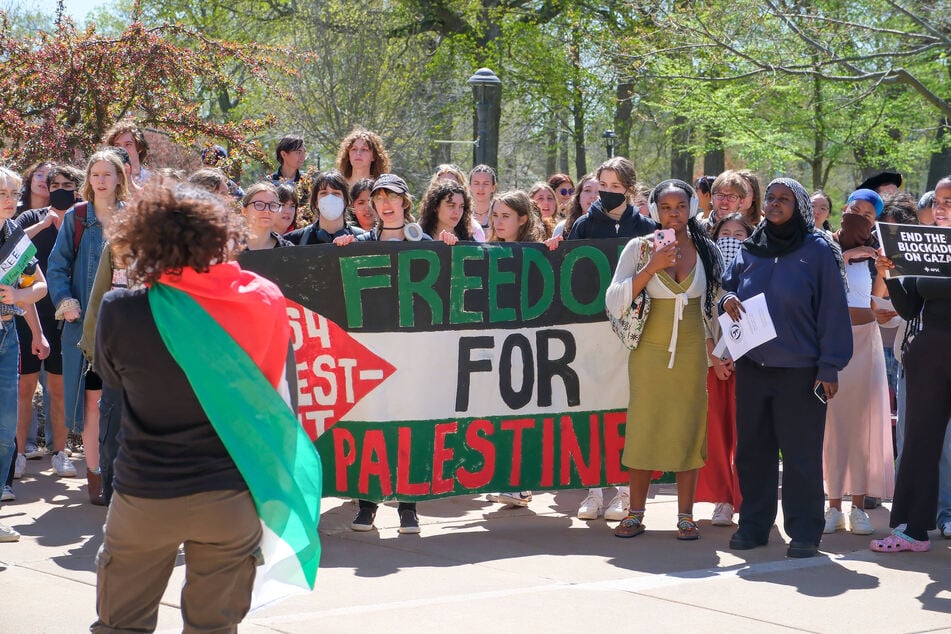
x=60, y=90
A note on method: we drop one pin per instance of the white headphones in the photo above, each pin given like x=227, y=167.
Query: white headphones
x=678, y=184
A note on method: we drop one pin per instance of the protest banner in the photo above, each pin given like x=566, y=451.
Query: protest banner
x=916, y=249
x=427, y=371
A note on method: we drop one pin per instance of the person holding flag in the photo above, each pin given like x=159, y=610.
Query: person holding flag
x=210, y=452
x=21, y=285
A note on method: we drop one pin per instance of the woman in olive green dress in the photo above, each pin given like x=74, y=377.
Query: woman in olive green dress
x=667, y=414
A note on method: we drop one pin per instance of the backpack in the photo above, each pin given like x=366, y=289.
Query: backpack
x=79, y=224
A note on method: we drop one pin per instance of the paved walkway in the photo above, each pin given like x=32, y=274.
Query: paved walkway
x=479, y=568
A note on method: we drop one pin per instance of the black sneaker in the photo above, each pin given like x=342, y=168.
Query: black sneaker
x=363, y=522
x=409, y=522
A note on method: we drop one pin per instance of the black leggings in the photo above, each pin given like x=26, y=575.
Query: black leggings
x=928, y=398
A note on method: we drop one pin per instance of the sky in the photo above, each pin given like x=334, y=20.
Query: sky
x=78, y=9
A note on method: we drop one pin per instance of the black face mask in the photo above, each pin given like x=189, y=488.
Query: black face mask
x=62, y=199
x=611, y=200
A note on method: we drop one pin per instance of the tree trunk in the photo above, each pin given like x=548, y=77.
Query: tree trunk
x=624, y=117
x=714, y=159
x=551, y=147
x=940, y=165
x=681, y=160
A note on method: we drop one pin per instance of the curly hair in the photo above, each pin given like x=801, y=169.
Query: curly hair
x=381, y=160
x=120, y=128
x=429, y=208
x=171, y=226
x=900, y=208
x=519, y=202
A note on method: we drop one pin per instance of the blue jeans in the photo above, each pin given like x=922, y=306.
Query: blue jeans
x=9, y=380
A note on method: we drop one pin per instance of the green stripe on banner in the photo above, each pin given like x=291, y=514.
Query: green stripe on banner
x=259, y=430
x=15, y=256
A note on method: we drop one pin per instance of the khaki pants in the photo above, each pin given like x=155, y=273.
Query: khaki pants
x=220, y=531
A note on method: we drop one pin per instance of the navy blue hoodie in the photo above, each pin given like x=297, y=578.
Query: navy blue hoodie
x=597, y=224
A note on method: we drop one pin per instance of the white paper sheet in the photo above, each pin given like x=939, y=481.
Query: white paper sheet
x=754, y=329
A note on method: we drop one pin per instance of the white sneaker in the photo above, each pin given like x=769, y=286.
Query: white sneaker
x=8, y=495
x=722, y=514
x=946, y=530
x=859, y=522
x=19, y=466
x=32, y=451
x=590, y=508
x=618, y=507
x=7, y=534
x=63, y=465
x=516, y=498
x=835, y=521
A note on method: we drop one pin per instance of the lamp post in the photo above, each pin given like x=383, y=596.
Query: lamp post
x=487, y=90
x=609, y=138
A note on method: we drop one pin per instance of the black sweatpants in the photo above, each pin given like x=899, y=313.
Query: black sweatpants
x=776, y=411
x=928, y=408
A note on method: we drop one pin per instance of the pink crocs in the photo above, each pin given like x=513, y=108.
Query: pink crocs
x=898, y=541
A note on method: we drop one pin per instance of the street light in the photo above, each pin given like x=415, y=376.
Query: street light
x=609, y=138
x=486, y=88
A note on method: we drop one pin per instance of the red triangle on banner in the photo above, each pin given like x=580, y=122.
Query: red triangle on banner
x=334, y=370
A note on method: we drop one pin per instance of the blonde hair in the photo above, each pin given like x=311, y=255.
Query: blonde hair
x=10, y=180
x=122, y=187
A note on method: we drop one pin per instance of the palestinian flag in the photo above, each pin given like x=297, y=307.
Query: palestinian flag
x=229, y=332
x=15, y=254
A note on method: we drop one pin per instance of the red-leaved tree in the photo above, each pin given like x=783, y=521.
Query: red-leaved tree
x=59, y=91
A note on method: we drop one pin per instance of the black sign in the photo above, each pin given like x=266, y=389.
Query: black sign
x=917, y=249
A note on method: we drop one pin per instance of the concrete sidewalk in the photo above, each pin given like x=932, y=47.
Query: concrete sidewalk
x=477, y=567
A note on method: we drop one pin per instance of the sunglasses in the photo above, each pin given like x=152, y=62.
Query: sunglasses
x=566, y=191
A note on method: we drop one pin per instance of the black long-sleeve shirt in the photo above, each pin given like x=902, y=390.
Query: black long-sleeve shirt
x=928, y=296
x=167, y=446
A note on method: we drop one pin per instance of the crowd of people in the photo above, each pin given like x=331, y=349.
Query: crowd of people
x=853, y=347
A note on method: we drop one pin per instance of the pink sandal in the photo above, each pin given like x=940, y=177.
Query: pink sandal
x=898, y=542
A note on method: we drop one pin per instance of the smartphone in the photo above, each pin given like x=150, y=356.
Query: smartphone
x=663, y=237
x=820, y=393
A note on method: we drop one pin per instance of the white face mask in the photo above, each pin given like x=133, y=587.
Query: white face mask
x=331, y=206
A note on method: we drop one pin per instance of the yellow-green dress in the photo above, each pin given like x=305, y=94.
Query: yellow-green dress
x=667, y=413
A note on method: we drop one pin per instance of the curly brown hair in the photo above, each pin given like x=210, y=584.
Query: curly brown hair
x=381, y=160
x=429, y=208
x=171, y=226
x=120, y=128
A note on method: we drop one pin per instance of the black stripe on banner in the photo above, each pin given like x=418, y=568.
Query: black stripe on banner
x=429, y=286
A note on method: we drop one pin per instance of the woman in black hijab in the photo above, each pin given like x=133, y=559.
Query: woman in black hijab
x=782, y=386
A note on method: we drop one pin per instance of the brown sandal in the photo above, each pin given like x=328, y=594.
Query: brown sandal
x=630, y=526
x=687, y=529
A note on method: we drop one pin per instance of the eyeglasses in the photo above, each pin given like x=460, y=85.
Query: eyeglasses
x=566, y=191
x=262, y=206
x=393, y=197
x=728, y=197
